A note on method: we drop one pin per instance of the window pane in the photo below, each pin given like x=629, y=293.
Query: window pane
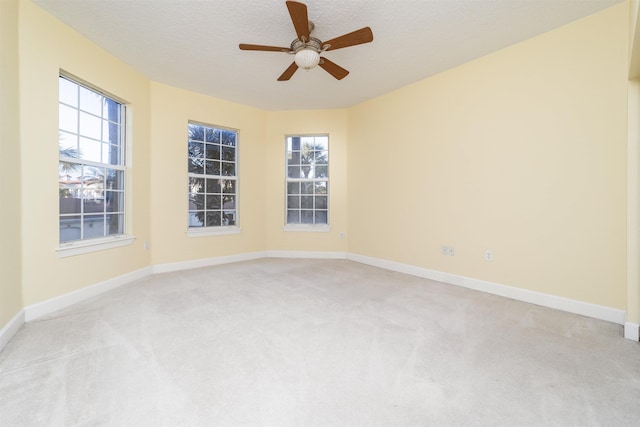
x=321, y=202
x=90, y=101
x=228, y=186
x=68, y=144
x=93, y=178
x=306, y=217
x=68, y=92
x=322, y=172
x=111, y=154
x=196, y=219
x=321, y=143
x=110, y=132
x=196, y=165
x=293, y=158
x=196, y=202
x=293, y=172
x=229, y=154
x=94, y=204
x=293, y=202
x=213, y=185
x=70, y=228
x=213, y=152
x=196, y=132
x=196, y=149
x=68, y=119
x=228, y=202
x=322, y=157
x=69, y=172
x=114, y=201
x=321, y=217
x=293, y=188
x=90, y=126
x=229, y=218
x=293, y=217
x=214, y=202
x=93, y=226
x=213, y=135
x=115, y=179
x=115, y=224
x=321, y=187
x=306, y=187
x=196, y=185
x=214, y=219
x=91, y=150
x=228, y=169
x=307, y=141
x=113, y=110
x=306, y=202
x=212, y=168
x=70, y=205
x=228, y=138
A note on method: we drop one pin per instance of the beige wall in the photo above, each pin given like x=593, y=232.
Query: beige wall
x=10, y=273
x=171, y=111
x=46, y=46
x=334, y=123
x=522, y=152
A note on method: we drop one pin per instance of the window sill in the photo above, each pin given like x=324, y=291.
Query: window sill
x=93, y=245
x=307, y=228
x=213, y=231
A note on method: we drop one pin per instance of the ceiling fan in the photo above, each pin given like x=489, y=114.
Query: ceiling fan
x=307, y=49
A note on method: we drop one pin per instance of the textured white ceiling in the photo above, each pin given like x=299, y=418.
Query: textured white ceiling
x=193, y=44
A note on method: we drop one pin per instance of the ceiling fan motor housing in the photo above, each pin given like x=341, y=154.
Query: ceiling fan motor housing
x=314, y=44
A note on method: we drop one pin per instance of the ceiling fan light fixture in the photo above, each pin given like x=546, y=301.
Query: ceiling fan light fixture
x=307, y=58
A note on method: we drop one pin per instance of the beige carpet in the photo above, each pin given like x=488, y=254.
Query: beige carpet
x=315, y=343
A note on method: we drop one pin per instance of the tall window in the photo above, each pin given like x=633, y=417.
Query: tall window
x=308, y=180
x=91, y=172
x=213, y=170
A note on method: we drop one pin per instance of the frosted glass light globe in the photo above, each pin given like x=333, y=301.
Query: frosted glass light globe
x=307, y=58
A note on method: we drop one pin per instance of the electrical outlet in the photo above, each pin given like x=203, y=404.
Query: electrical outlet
x=448, y=250
x=488, y=255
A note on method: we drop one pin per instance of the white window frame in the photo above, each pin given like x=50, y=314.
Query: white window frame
x=92, y=244
x=300, y=227
x=213, y=230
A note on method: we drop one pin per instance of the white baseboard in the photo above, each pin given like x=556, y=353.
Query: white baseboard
x=10, y=329
x=34, y=311
x=546, y=300
x=632, y=331
x=307, y=254
x=43, y=308
x=206, y=262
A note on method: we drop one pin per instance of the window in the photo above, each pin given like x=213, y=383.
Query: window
x=307, y=180
x=91, y=169
x=213, y=182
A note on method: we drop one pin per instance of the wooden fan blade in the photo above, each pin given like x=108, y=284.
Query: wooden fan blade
x=334, y=69
x=363, y=35
x=288, y=72
x=244, y=46
x=298, y=13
